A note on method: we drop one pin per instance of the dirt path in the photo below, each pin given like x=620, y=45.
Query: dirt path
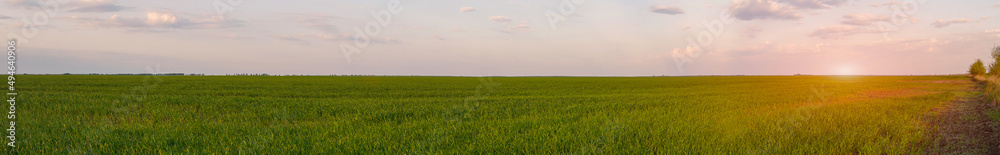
x=963, y=126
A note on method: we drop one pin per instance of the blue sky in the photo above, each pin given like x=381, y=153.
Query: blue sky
x=512, y=37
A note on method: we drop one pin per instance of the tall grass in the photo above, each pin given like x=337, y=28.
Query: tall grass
x=991, y=86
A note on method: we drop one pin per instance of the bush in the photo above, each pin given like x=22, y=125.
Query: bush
x=977, y=68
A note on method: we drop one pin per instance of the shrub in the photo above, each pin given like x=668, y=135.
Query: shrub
x=977, y=68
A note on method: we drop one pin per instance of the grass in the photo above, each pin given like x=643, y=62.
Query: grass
x=83, y=114
x=992, y=89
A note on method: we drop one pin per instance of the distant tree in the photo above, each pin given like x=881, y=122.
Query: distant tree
x=977, y=68
x=994, y=69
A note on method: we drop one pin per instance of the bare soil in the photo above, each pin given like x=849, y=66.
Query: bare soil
x=963, y=126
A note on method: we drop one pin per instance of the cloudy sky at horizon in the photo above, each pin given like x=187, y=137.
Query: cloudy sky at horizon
x=510, y=37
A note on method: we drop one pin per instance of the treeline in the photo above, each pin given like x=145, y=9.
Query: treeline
x=979, y=69
x=990, y=76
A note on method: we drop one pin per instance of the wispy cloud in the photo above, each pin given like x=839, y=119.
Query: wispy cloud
x=763, y=9
x=156, y=21
x=768, y=47
x=236, y=36
x=863, y=19
x=292, y=38
x=839, y=31
x=24, y=4
x=520, y=27
x=96, y=6
x=84, y=6
x=318, y=22
x=885, y=4
x=500, y=19
x=467, y=9
x=814, y=4
x=752, y=31
x=941, y=23
x=309, y=38
x=778, y=9
x=666, y=10
x=907, y=45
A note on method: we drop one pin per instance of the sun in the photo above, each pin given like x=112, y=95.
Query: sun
x=845, y=69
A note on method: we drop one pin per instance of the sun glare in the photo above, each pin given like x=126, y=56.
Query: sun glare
x=845, y=69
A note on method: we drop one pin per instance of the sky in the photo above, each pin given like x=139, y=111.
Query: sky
x=502, y=37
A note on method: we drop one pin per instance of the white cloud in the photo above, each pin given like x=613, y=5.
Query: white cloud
x=467, y=9
x=500, y=19
x=158, y=18
x=667, y=10
x=763, y=9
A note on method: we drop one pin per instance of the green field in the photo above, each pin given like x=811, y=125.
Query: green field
x=74, y=114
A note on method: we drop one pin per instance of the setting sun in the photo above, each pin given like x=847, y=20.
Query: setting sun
x=846, y=69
